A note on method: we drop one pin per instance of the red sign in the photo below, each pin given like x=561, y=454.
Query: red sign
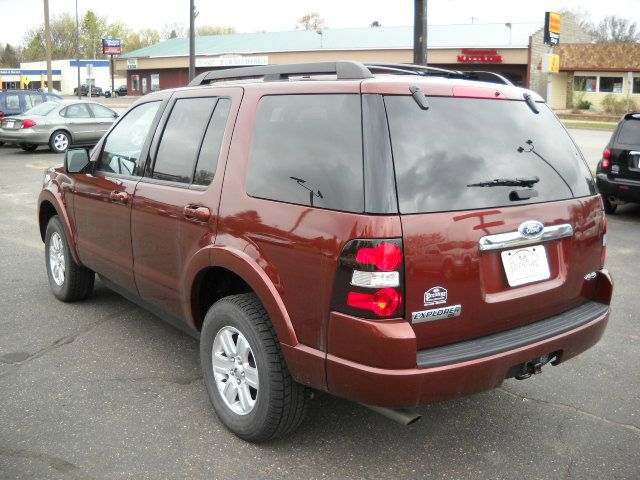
x=111, y=50
x=479, y=56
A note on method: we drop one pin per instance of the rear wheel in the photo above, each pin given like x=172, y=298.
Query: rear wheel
x=246, y=376
x=609, y=207
x=68, y=280
x=28, y=147
x=59, y=141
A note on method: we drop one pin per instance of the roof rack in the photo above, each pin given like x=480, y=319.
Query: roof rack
x=344, y=70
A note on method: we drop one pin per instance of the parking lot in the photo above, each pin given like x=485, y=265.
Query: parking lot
x=102, y=389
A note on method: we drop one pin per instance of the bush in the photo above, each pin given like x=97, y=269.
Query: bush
x=584, y=105
x=613, y=105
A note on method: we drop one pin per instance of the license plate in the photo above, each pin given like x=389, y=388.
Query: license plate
x=525, y=265
x=10, y=124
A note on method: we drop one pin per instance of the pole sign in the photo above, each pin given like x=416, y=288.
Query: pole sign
x=111, y=46
x=551, y=28
x=551, y=63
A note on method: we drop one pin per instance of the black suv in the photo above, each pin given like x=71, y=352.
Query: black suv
x=618, y=173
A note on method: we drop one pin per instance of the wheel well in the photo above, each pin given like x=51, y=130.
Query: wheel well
x=47, y=210
x=210, y=286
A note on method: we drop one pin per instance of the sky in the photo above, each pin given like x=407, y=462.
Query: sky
x=18, y=16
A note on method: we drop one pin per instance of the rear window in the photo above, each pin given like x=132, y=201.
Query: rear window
x=630, y=132
x=440, y=152
x=307, y=150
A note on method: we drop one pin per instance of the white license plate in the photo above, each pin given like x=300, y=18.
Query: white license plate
x=525, y=265
x=10, y=124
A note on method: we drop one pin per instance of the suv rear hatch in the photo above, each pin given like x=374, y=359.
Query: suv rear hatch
x=625, y=149
x=468, y=168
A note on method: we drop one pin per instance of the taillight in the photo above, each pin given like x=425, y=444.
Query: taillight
x=28, y=123
x=605, y=163
x=1, y=116
x=603, y=257
x=369, y=281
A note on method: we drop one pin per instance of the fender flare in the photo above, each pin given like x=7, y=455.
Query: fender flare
x=54, y=197
x=248, y=269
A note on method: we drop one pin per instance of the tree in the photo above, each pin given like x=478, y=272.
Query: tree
x=311, y=21
x=376, y=24
x=9, y=56
x=173, y=30
x=614, y=29
x=204, y=30
x=143, y=38
x=63, y=40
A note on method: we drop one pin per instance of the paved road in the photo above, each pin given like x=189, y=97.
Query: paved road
x=591, y=142
x=102, y=389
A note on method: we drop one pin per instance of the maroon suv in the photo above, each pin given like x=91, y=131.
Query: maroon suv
x=391, y=234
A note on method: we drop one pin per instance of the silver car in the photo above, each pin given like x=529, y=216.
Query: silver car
x=59, y=124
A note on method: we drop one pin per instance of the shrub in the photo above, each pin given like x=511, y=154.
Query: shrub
x=613, y=105
x=584, y=105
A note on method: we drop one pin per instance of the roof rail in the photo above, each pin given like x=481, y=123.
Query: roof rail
x=344, y=70
x=412, y=69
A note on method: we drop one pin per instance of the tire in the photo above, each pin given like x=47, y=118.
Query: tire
x=278, y=405
x=28, y=147
x=609, y=208
x=59, y=141
x=76, y=282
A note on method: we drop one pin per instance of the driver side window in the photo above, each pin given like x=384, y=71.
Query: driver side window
x=122, y=149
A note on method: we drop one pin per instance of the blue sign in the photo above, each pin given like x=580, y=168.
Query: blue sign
x=111, y=42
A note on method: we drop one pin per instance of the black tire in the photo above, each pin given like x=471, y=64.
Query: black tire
x=1, y=144
x=56, y=142
x=78, y=281
x=28, y=147
x=281, y=403
x=609, y=208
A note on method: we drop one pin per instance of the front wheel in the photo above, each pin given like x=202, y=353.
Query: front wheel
x=28, y=147
x=68, y=280
x=59, y=141
x=244, y=371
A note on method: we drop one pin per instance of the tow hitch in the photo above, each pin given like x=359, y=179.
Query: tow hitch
x=532, y=367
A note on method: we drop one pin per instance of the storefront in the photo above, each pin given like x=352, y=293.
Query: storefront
x=27, y=78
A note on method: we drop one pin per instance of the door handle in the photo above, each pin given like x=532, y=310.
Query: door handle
x=196, y=213
x=119, y=197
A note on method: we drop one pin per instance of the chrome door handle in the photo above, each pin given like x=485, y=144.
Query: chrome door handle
x=196, y=213
x=119, y=197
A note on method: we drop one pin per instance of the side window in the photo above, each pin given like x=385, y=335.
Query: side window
x=32, y=99
x=307, y=149
x=121, y=152
x=181, y=139
x=210, y=150
x=100, y=111
x=77, y=110
x=13, y=102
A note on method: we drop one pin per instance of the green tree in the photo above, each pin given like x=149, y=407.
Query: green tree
x=143, y=38
x=10, y=56
x=63, y=40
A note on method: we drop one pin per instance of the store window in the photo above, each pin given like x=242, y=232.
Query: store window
x=155, y=82
x=636, y=85
x=611, y=84
x=135, y=83
x=585, y=84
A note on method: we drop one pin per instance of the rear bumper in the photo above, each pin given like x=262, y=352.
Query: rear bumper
x=409, y=387
x=622, y=189
x=24, y=135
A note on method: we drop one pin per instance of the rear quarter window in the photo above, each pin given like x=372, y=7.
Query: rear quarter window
x=307, y=150
x=630, y=132
x=440, y=152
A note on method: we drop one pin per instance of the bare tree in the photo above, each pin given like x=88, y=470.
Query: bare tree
x=204, y=30
x=614, y=29
x=311, y=21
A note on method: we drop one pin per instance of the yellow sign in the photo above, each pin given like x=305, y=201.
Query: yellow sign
x=26, y=80
x=554, y=22
x=554, y=63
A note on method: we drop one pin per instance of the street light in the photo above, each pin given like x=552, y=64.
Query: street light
x=319, y=32
x=509, y=25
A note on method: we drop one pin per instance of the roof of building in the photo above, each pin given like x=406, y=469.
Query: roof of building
x=599, y=57
x=478, y=35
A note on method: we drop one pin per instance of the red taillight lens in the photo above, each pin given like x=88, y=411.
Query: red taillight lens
x=1, y=116
x=605, y=163
x=384, y=302
x=385, y=256
x=606, y=153
x=28, y=123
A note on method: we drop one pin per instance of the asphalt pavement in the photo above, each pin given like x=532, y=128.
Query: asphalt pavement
x=102, y=389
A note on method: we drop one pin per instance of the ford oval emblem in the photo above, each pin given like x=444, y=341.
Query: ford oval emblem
x=531, y=229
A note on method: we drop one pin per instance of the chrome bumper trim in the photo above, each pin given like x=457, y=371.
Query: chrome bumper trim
x=501, y=241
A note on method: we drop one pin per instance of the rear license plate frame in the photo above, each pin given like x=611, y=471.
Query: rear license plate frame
x=533, y=265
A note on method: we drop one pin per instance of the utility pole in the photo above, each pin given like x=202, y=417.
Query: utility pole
x=420, y=32
x=78, y=50
x=47, y=42
x=192, y=40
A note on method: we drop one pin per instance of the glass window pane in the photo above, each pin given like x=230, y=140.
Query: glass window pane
x=584, y=84
x=611, y=84
x=101, y=111
x=441, y=155
x=123, y=146
x=13, y=102
x=307, y=149
x=210, y=151
x=636, y=85
x=181, y=139
x=77, y=110
x=630, y=132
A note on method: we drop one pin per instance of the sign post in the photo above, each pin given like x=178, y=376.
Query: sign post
x=111, y=47
x=89, y=75
x=551, y=38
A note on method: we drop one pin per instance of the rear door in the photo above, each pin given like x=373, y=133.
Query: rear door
x=468, y=270
x=104, y=118
x=175, y=209
x=80, y=122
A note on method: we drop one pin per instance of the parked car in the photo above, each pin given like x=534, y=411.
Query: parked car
x=58, y=124
x=284, y=224
x=84, y=91
x=121, y=91
x=15, y=102
x=618, y=173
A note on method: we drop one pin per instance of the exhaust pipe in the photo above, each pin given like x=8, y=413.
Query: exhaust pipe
x=616, y=201
x=402, y=416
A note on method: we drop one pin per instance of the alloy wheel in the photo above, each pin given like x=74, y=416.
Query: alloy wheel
x=56, y=258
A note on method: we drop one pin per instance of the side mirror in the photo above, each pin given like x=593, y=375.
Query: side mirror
x=76, y=160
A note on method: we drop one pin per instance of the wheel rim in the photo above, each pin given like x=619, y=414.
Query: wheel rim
x=56, y=258
x=60, y=141
x=235, y=370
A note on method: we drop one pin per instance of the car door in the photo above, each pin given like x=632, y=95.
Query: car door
x=175, y=207
x=79, y=122
x=103, y=195
x=104, y=118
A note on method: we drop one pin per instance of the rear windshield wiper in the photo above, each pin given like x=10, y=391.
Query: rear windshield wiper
x=507, y=182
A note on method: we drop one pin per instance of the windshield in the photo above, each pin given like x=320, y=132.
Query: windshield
x=43, y=109
x=464, y=154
